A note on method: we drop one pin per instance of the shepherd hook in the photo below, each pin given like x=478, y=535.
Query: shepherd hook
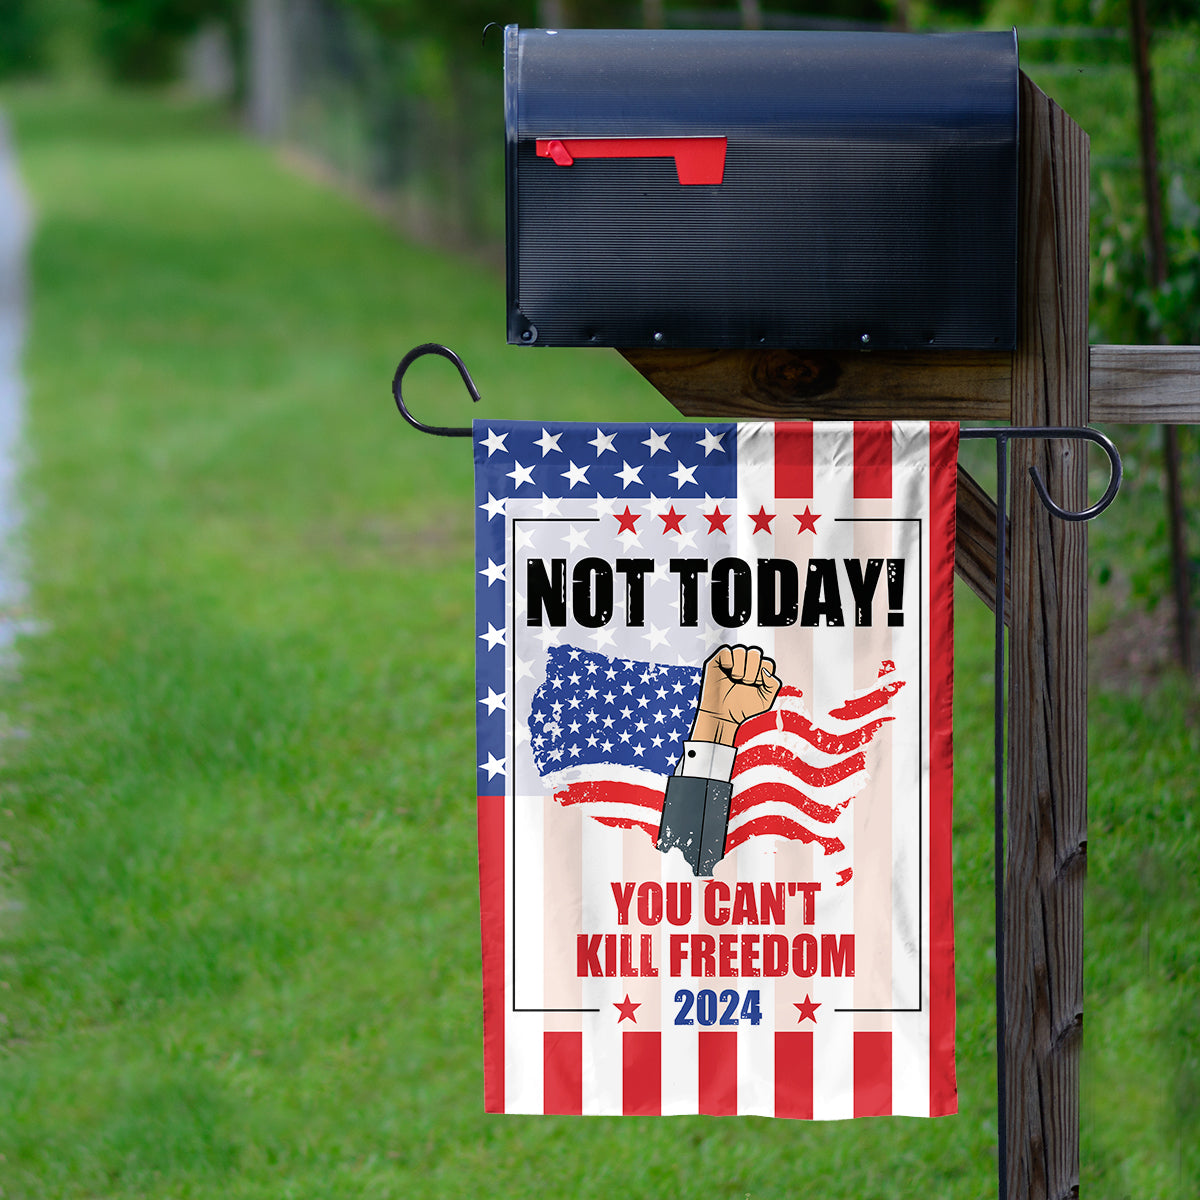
x=397, y=379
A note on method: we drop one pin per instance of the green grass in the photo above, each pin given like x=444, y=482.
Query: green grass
x=240, y=953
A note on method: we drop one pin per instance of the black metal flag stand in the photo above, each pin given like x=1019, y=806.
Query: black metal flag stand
x=1002, y=436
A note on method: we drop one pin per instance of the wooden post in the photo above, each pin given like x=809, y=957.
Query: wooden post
x=1047, y=796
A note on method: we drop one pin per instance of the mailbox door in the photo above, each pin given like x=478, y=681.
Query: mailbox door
x=718, y=189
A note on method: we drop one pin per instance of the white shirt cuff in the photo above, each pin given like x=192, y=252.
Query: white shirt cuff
x=706, y=760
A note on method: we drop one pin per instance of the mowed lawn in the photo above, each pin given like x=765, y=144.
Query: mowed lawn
x=239, y=950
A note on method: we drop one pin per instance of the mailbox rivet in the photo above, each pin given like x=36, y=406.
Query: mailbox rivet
x=866, y=339
x=658, y=337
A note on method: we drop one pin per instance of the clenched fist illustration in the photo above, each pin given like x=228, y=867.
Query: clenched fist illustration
x=737, y=683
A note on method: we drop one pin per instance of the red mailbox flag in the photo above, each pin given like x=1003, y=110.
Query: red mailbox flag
x=697, y=159
x=714, y=731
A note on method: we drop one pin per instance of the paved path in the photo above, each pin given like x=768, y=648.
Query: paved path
x=15, y=227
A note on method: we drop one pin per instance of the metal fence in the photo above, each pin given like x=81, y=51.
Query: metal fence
x=423, y=134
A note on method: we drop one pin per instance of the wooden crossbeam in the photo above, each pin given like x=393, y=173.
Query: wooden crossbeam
x=975, y=543
x=1145, y=385
x=1133, y=385
x=783, y=385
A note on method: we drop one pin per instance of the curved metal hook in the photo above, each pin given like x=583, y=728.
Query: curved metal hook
x=406, y=362
x=489, y=25
x=1072, y=432
x=1110, y=492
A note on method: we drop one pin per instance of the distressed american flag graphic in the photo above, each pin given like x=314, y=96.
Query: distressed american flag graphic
x=805, y=967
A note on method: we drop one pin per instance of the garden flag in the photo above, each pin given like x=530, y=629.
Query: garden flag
x=714, y=685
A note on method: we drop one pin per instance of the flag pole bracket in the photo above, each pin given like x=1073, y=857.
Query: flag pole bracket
x=1002, y=435
x=398, y=394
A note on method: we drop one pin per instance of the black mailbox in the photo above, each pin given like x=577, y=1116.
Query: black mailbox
x=716, y=189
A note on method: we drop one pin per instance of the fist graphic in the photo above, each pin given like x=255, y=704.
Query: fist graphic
x=737, y=683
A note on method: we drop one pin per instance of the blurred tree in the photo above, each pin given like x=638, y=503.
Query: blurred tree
x=1158, y=268
x=139, y=40
x=1147, y=289
x=22, y=37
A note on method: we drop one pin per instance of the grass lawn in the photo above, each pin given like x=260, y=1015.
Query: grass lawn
x=239, y=954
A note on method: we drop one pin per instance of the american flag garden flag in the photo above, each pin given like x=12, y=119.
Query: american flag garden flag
x=714, y=767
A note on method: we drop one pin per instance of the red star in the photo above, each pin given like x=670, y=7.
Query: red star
x=671, y=520
x=808, y=1009
x=627, y=521
x=626, y=1008
x=762, y=520
x=808, y=520
x=716, y=520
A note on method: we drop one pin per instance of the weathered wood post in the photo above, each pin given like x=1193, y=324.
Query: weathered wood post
x=1047, y=796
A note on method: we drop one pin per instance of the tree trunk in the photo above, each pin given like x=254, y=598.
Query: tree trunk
x=1156, y=236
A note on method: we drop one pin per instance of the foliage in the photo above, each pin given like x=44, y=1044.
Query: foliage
x=457, y=28
x=22, y=42
x=139, y=39
x=1127, y=308
x=1134, y=573
x=419, y=18
x=1087, y=13
x=131, y=40
x=1174, y=309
